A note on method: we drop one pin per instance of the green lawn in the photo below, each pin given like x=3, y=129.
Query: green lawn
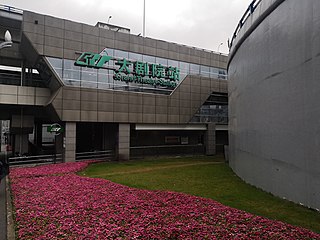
x=207, y=177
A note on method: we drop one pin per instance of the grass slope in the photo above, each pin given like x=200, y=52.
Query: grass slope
x=207, y=177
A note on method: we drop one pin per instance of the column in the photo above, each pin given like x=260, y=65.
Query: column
x=21, y=143
x=2, y=137
x=23, y=73
x=38, y=135
x=21, y=127
x=211, y=139
x=70, y=142
x=124, y=142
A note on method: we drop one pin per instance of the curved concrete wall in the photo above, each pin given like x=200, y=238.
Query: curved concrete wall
x=274, y=100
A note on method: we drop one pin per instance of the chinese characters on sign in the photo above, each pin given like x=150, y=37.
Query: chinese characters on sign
x=133, y=71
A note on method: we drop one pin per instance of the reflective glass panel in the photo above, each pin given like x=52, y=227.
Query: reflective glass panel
x=56, y=64
x=214, y=72
x=222, y=74
x=89, y=77
x=173, y=63
x=107, y=51
x=148, y=59
x=194, y=68
x=135, y=56
x=121, y=54
x=162, y=61
x=184, y=67
x=205, y=71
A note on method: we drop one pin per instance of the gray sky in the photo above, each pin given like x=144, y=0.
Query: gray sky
x=198, y=23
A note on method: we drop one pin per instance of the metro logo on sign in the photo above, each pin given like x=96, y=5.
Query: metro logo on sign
x=92, y=60
x=55, y=128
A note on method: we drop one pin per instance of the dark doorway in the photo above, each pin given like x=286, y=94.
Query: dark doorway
x=221, y=140
x=89, y=137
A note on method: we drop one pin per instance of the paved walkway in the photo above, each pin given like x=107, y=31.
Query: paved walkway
x=3, y=210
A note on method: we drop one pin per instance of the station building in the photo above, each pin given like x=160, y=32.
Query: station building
x=108, y=90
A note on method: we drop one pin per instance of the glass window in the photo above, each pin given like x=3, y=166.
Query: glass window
x=205, y=71
x=71, y=73
x=135, y=87
x=183, y=76
x=56, y=64
x=68, y=65
x=214, y=72
x=162, y=61
x=105, y=79
x=184, y=67
x=173, y=63
x=118, y=85
x=89, y=77
x=121, y=54
x=148, y=59
x=222, y=74
x=194, y=68
x=135, y=57
x=107, y=51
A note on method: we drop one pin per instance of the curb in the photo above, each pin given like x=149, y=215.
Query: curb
x=10, y=222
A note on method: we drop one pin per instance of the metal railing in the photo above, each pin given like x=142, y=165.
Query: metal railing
x=95, y=155
x=50, y=158
x=203, y=118
x=159, y=150
x=11, y=9
x=251, y=8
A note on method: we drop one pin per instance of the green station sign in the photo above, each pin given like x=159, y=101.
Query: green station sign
x=132, y=71
x=55, y=128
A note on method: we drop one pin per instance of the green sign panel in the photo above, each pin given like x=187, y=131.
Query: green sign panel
x=55, y=128
x=132, y=71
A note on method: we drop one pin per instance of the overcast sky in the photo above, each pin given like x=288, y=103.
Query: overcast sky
x=198, y=23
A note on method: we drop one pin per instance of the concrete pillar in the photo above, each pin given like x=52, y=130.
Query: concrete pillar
x=21, y=127
x=124, y=142
x=70, y=142
x=59, y=143
x=211, y=139
x=2, y=137
x=23, y=73
x=21, y=143
x=38, y=135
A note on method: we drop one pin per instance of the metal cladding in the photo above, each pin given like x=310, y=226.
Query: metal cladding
x=274, y=126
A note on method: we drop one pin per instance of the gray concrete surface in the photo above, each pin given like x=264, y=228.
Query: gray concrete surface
x=3, y=210
x=274, y=127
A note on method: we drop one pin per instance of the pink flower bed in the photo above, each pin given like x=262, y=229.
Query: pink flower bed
x=52, y=169
x=52, y=202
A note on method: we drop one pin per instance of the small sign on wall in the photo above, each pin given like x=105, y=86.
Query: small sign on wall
x=55, y=129
x=172, y=139
x=184, y=140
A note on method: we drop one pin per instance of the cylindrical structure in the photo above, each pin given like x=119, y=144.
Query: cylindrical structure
x=274, y=100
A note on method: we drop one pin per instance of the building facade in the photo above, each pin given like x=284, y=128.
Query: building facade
x=273, y=99
x=108, y=90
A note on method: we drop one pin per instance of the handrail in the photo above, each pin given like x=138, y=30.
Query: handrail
x=50, y=158
x=106, y=154
x=251, y=8
x=167, y=146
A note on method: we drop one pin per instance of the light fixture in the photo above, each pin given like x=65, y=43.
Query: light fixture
x=109, y=18
x=7, y=40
